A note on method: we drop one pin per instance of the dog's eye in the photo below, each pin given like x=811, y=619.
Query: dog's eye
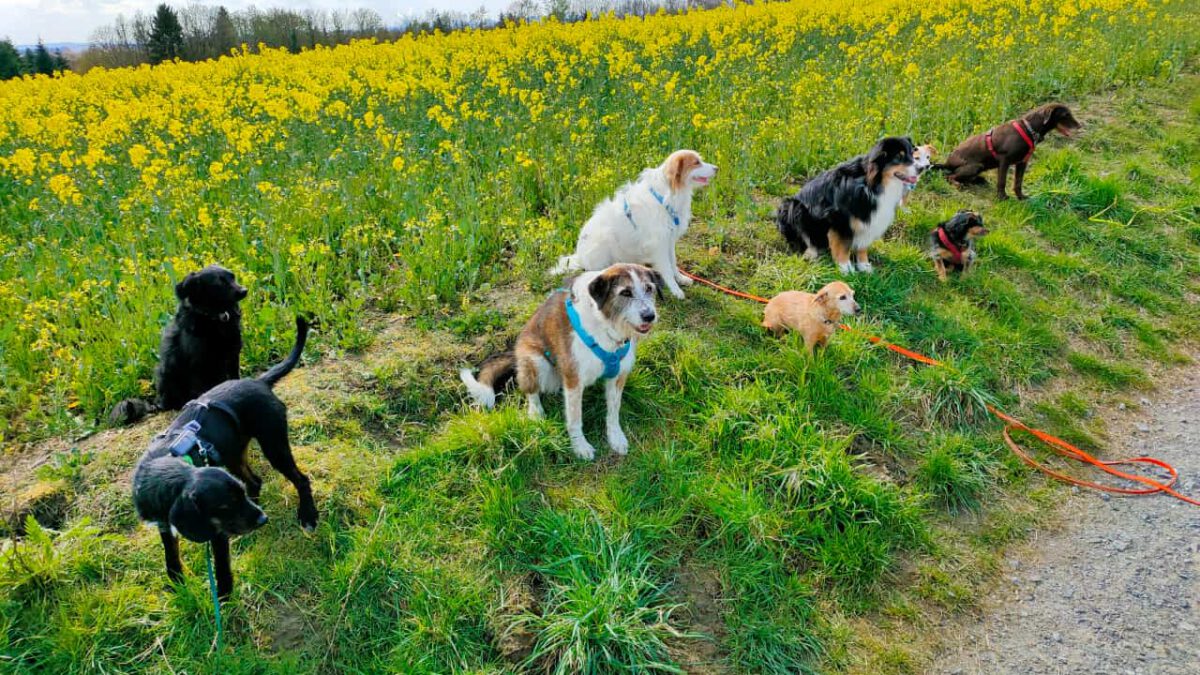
x=627, y=292
x=649, y=289
x=842, y=298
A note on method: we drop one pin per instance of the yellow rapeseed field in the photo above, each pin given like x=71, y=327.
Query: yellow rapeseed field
x=399, y=175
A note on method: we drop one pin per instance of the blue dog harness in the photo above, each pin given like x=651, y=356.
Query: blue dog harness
x=661, y=200
x=611, y=360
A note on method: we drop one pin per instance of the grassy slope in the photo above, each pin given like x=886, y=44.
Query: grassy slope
x=775, y=512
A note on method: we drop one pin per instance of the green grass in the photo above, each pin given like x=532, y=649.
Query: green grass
x=818, y=496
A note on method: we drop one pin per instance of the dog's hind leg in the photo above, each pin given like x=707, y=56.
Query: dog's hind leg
x=247, y=476
x=273, y=439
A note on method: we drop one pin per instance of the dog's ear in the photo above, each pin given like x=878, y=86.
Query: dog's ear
x=677, y=170
x=1039, y=118
x=875, y=162
x=659, y=283
x=599, y=288
x=188, y=520
x=822, y=298
x=182, y=288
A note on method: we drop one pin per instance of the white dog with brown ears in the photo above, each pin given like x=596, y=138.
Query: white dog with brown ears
x=579, y=335
x=642, y=222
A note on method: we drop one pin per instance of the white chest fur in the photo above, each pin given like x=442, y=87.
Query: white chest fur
x=882, y=216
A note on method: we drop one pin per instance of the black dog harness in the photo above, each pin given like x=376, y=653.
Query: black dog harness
x=185, y=440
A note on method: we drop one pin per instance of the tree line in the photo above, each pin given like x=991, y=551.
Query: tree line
x=33, y=61
x=197, y=32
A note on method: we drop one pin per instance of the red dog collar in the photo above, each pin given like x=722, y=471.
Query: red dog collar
x=1025, y=136
x=954, y=250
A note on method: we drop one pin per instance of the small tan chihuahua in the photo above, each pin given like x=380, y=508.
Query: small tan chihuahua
x=815, y=317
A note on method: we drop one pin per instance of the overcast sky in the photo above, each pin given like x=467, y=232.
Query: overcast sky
x=24, y=21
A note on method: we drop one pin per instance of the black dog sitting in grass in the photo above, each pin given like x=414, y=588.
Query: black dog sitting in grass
x=952, y=243
x=200, y=348
x=195, y=479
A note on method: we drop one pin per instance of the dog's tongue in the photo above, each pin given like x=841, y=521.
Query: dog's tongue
x=645, y=328
x=911, y=180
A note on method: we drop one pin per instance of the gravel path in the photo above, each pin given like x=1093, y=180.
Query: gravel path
x=1117, y=589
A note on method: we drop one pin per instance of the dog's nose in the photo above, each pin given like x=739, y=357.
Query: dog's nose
x=262, y=519
x=648, y=316
x=241, y=292
x=857, y=307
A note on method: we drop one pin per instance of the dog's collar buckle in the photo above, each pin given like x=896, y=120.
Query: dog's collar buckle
x=611, y=360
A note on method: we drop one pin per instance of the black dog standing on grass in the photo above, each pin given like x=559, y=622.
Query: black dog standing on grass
x=200, y=348
x=1010, y=144
x=174, y=489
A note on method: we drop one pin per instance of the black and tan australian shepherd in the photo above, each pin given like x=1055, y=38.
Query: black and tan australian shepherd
x=850, y=206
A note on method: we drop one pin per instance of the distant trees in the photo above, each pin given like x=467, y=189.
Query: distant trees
x=32, y=62
x=10, y=60
x=196, y=32
x=166, y=36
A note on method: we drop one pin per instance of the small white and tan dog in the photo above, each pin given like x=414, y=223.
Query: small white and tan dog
x=644, y=219
x=579, y=335
x=922, y=159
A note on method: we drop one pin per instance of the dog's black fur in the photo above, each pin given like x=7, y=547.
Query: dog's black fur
x=848, y=191
x=200, y=348
x=211, y=504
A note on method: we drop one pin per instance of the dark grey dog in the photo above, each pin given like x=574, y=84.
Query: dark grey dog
x=173, y=488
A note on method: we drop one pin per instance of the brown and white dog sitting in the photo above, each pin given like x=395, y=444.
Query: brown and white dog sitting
x=815, y=317
x=586, y=332
x=642, y=222
x=1010, y=144
x=952, y=243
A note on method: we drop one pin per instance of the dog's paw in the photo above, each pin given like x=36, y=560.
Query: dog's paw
x=810, y=254
x=308, y=521
x=677, y=292
x=866, y=268
x=846, y=268
x=683, y=280
x=618, y=441
x=583, y=450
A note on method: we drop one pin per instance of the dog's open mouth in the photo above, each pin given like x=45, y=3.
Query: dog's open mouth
x=700, y=180
x=911, y=180
x=644, y=328
x=1064, y=131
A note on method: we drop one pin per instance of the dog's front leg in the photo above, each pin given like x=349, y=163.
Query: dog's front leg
x=220, y=552
x=840, y=250
x=864, y=261
x=574, y=400
x=171, y=552
x=1018, y=181
x=680, y=278
x=939, y=266
x=1002, y=179
x=665, y=266
x=612, y=397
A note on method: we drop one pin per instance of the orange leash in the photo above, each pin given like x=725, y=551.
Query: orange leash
x=1056, y=444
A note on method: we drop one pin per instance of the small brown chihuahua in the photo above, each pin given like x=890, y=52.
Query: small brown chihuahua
x=814, y=316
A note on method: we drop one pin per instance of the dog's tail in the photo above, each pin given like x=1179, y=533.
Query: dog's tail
x=567, y=263
x=495, y=373
x=277, y=371
x=789, y=218
x=129, y=411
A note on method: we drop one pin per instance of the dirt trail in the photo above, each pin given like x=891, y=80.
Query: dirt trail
x=1117, y=589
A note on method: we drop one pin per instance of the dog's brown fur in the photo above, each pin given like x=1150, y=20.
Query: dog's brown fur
x=815, y=316
x=972, y=156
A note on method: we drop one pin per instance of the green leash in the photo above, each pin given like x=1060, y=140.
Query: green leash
x=212, y=585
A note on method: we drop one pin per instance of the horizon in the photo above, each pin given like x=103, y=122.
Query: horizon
x=72, y=22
